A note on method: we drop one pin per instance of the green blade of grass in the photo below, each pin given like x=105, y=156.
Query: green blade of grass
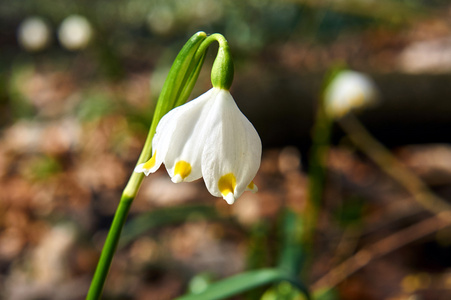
x=243, y=282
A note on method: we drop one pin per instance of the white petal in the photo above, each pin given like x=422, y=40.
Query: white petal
x=232, y=147
x=183, y=158
x=161, y=142
x=167, y=137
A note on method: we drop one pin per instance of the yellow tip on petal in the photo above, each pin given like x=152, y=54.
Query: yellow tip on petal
x=252, y=187
x=181, y=170
x=226, y=186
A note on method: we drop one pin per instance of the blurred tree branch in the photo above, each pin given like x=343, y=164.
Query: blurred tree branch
x=383, y=247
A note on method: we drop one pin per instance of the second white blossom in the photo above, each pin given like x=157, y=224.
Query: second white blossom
x=349, y=90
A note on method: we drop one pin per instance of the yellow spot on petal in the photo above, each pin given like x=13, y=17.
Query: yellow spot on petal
x=252, y=187
x=151, y=162
x=227, y=184
x=182, y=168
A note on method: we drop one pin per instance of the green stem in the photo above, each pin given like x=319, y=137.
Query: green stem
x=317, y=172
x=315, y=189
x=223, y=69
x=215, y=37
x=103, y=266
x=299, y=227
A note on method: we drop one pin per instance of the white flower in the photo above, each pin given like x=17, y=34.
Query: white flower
x=34, y=34
x=348, y=90
x=75, y=32
x=161, y=20
x=208, y=137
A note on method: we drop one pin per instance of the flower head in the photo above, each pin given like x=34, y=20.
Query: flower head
x=34, y=34
x=75, y=32
x=208, y=137
x=347, y=91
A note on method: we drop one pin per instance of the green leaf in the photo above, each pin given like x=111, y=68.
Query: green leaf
x=191, y=79
x=180, y=73
x=243, y=282
x=199, y=283
x=176, y=89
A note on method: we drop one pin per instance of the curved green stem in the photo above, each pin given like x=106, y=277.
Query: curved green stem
x=223, y=69
x=215, y=37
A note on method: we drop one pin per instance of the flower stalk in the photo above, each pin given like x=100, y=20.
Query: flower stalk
x=177, y=87
x=223, y=69
x=316, y=172
x=109, y=248
x=299, y=227
x=210, y=129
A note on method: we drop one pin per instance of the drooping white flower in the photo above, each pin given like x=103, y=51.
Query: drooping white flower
x=208, y=137
x=75, y=32
x=34, y=34
x=347, y=91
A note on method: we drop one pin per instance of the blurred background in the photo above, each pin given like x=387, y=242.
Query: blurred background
x=78, y=84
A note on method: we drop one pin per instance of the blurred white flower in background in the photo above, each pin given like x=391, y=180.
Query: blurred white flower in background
x=161, y=20
x=205, y=11
x=34, y=34
x=75, y=32
x=349, y=90
x=167, y=17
